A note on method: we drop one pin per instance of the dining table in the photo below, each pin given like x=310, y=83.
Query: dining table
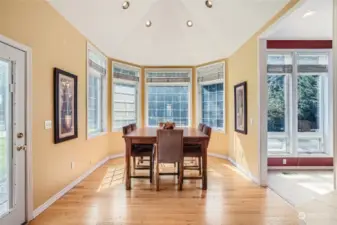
x=148, y=135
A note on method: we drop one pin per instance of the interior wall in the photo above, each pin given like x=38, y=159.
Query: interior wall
x=54, y=43
x=243, y=66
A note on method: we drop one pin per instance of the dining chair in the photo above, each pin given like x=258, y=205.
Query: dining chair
x=187, y=148
x=133, y=126
x=169, y=149
x=140, y=150
x=196, y=152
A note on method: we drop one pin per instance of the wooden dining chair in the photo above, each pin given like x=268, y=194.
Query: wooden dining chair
x=196, y=151
x=140, y=150
x=133, y=126
x=169, y=149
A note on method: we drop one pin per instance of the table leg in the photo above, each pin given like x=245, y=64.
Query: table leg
x=127, y=164
x=204, y=165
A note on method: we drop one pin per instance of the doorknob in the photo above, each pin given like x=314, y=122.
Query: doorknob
x=19, y=135
x=21, y=148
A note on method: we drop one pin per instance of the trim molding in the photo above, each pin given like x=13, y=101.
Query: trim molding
x=58, y=195
x=221, y=156
x=300, y=168
x=29, y=119
x=238, y=166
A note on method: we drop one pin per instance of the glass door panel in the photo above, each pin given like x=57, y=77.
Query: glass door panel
x=279, y=67
x=6, y=177
x=311, y=69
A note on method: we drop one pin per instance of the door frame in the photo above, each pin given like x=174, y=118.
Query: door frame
x=29, y=121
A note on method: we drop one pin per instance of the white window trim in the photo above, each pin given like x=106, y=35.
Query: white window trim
x=198, y=96
x=327, y=131
x=189, y=85
x=104, y=114
x=121, y=81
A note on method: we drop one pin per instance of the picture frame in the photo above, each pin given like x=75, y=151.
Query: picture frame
x=65, y=106
x=240, y=107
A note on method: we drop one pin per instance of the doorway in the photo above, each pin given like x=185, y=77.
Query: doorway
x=13, y=141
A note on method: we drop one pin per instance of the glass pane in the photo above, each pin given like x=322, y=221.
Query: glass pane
x=277, y=145
x=168, y=103
x=276, y=103
x=5, y=140
x=94, y=104
x=124, y=105
x=309, y=145
x=212, y=109
x=308, y=91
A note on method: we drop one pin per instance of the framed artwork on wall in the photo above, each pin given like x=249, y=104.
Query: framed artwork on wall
x=65, y=106
x=240, y=101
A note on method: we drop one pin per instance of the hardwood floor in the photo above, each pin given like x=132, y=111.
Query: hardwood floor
x=101, y=199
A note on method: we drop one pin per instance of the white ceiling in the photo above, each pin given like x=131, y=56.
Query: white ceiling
x=217, y=32
x=295, y=26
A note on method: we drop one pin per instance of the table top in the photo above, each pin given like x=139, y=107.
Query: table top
x=151, y=132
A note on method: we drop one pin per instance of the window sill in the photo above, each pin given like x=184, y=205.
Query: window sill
x=117, y=130
x=303, y=155
x=94, y=135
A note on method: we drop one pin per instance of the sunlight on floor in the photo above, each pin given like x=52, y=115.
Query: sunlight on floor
x=300, y=187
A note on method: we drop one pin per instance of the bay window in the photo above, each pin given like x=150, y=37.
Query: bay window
x=125, y=95
x=96, y=92
x=168, y=93
x=298, y=103
x=210, y=90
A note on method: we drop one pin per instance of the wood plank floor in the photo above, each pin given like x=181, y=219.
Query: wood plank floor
x=101, y=199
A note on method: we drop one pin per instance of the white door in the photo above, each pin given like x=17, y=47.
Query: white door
x=12, y=136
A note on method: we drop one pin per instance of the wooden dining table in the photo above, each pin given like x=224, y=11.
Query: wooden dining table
x=148, y=135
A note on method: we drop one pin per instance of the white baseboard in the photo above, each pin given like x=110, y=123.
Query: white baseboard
x=300, y=167
x=238, y=166
x=221, y=156
x=58, y=195
x=246, y=173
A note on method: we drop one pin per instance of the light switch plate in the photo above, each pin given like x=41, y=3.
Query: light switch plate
x=47, y=124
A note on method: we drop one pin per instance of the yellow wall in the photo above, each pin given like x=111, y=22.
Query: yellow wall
x=55, y=43
x=243, y=66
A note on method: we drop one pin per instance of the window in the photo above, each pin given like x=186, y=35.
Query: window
x=297, y=93
x=211, y=95
x=168, y=96
x=125, y=95
x=96, y=93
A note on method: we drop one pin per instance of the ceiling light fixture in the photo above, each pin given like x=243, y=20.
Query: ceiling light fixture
x=126, y=4
x=189, y=23
x=148, y=23
x=209, y=3
x=308, y=13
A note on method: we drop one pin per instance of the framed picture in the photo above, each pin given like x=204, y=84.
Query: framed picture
x=240, y=101
x=65, y=106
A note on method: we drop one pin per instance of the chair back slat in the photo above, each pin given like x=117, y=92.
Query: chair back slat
x=170, y=145
x=208, y=131
x=133, y=126
x=201, y=126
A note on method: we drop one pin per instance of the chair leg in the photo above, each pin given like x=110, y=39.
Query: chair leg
x=157, y=175
x=181, y=175
x=134, y=165
x=199, y=165
x=151, y=169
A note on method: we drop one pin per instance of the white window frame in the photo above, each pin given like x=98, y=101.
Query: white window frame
x=189, y=85
x=104, y=107
x=138, y=93
x=198, y=105
x=326, y=113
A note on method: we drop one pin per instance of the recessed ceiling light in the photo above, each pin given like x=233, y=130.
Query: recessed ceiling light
x=209, y=3
x=126, y=5
x=189, y=23
x=148, y=23
x=308, y=13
